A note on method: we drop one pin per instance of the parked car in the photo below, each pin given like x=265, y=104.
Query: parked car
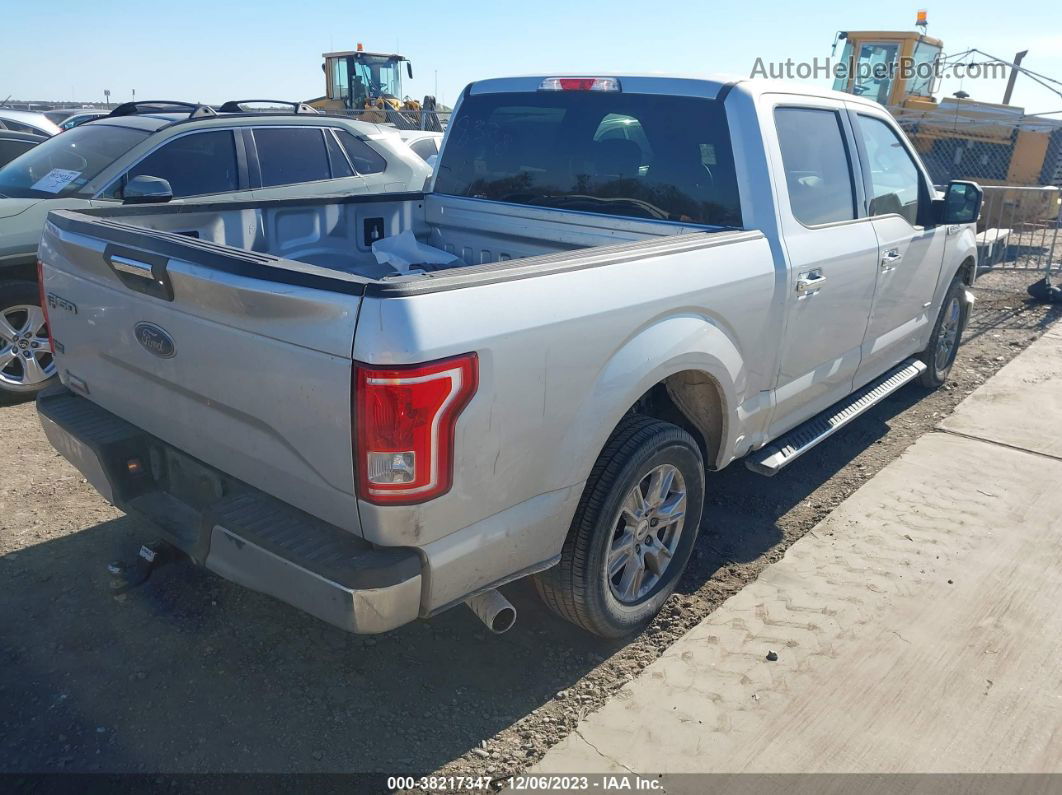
x=424, y=143
x=155, y=151
x=75, y=119
x=587, y=326
x=27, y=121
x=13, y=144
x=59, y=115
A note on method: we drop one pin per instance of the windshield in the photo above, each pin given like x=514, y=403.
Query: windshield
x=637, y=155
x=376, y=76
x=926, y=62
x=66, y=162
x=874, y=71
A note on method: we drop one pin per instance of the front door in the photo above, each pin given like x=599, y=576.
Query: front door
x=911, y=247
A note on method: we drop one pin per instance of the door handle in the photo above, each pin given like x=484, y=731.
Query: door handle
x=810, y=281
x=890, y=258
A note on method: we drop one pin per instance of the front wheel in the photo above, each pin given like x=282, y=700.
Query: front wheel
x=26, y=363
x=633, y=531
x=943, y=346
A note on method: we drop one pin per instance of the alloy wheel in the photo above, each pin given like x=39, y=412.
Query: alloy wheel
x=949, y=334
x=25, y=354
x=646, y=534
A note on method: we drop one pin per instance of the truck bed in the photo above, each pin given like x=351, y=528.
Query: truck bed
x=336, y=233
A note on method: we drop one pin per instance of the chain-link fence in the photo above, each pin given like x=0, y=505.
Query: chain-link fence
x=434, y=120
x=1017, y=160
x=1020, y=230
x=996, y=147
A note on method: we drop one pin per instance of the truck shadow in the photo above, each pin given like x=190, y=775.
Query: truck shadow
x=191, y=673
x=743, y=509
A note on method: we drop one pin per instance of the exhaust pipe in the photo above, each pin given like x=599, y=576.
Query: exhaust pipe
x=494, y=610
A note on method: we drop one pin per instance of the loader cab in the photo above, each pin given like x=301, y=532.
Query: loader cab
x=889, y=67
x=355, y=78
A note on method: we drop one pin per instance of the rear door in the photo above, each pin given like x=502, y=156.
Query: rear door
x=300, y=160
x=236, y=358
x=832, y=253
x=911, y=247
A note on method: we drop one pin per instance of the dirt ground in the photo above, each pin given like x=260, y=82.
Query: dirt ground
x=191, y=674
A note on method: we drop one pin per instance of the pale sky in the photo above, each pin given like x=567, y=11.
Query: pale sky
x=210, y=51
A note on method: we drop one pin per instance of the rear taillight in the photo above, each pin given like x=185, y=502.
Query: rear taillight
x=44, y=304
x=404, y=419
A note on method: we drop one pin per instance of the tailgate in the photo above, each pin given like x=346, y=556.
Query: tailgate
x=240, y=359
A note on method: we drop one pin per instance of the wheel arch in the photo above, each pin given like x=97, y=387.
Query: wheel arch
x=693, y=400
x=695, y=387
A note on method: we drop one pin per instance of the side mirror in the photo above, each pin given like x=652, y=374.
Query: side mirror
x=143, y=189
x=409, y=69
x=961, y=203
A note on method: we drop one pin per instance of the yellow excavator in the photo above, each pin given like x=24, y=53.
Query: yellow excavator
x=370, y=83
x=958, y=137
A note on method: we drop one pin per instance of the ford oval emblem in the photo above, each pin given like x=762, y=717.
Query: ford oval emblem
x=154, y=339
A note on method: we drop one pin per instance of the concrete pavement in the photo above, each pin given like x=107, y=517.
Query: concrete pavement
x=918, y=628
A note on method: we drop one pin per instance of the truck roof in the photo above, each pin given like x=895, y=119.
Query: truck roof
x=707, y=86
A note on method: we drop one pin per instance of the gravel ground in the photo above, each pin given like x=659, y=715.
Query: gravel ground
x=191, y=674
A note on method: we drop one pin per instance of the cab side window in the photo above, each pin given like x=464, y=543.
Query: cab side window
x=818, y=169
x=895, y=180
x=194, y=165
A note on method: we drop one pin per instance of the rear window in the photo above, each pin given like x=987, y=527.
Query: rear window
x=635, y=155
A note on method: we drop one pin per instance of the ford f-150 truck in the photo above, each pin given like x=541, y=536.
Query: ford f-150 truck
x=633, y=281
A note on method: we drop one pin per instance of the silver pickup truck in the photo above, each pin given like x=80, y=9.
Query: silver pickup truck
x=632, y=282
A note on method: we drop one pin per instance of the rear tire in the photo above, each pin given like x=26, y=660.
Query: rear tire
x=943, y=346
x=26, y=363
x=633, y=531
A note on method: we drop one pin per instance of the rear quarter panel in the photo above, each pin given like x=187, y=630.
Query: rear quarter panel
x=562, y=358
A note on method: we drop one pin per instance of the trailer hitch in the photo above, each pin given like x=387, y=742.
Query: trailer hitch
x=126, y=576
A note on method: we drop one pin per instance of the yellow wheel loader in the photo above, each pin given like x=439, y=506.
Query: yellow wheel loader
x=368, y=85
x=957, y=137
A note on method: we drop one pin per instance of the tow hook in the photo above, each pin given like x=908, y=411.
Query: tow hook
x=126, y=576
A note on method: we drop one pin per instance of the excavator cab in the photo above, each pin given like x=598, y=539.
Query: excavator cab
x=368, y=85
x=357, y=79
x=958, y=137
x=895, y=68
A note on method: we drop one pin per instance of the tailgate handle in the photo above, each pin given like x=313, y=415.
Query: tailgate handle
x=142, y=271
x=133, y=267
